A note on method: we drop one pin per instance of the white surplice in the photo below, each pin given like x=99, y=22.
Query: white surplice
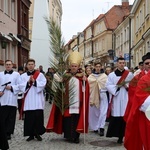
x=9, y=98
x=120, y=98
x=34, y=99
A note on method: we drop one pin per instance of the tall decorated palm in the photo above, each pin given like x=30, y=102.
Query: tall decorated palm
x=58, y=61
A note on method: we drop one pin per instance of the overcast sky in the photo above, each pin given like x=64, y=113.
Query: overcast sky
x=77, y=14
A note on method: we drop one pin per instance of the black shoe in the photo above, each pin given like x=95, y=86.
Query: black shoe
x=76, y=140
x=101, y=132
x=30, y=138
x=120, y=141
x=38, y=137
x=8, y=137
x=95, y=131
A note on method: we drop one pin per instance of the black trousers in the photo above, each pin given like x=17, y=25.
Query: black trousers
x=70, y=125
x=3, y=135
x=116, y=127
x=9, y=118
x=34, y=123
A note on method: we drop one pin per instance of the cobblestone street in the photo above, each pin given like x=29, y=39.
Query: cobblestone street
x=52, y=141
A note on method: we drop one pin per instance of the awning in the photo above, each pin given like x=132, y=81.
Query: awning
x=6, y=37
x=14, y=37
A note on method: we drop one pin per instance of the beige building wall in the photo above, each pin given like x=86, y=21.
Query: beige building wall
x=141, y=30
x=55, y=8
x=102, y=42
x=31, y=10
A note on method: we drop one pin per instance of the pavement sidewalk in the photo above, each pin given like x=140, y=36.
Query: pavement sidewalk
x=52, y=141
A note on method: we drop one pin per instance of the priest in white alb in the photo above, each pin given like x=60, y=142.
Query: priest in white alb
x=117, y=86
x=32, y=84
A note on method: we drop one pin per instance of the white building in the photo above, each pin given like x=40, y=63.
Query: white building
x=40, y=36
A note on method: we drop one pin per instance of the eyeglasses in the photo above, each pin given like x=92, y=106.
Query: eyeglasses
x=8, y=64
x=147, y=63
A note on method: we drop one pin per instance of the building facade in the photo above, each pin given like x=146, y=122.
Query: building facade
x=140, y=16
x=97, y=44
x=14, y=32
x=55, y=9
x=23, y=31
x=122, y=37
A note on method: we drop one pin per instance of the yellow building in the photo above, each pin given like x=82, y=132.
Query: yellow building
x=141, y=29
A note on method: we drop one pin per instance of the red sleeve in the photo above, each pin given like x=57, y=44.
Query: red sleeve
x=133, y=124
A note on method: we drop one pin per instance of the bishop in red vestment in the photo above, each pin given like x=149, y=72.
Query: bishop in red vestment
x=71, y=123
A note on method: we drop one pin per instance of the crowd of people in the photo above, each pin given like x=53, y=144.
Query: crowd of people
x=119, y=95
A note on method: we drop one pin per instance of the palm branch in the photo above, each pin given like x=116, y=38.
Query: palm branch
x=122, y=83
x=58, y=61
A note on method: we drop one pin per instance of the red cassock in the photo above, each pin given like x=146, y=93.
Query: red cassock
x=131, y=93
x=138, y=126
x=55, y=121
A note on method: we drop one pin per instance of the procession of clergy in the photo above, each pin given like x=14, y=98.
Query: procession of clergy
x=116, y=95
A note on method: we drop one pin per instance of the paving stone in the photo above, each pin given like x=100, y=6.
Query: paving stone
x=52, y=141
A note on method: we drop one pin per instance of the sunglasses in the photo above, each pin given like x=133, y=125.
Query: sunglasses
x=147, y=63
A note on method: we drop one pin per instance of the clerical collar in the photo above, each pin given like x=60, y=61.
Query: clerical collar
x=30, y=72
x=119, y=72
x=8, y=72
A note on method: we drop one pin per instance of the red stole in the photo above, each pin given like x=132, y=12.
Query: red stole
x=35, y=75
x=123, y=77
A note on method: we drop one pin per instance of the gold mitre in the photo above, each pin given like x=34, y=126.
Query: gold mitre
x=75, y=58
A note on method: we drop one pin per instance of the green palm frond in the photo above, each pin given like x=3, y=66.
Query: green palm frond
x=58, y=61
x=122, y=83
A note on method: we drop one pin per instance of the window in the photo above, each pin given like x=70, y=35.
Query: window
x=6, y=52
x=140, y=18
x=125, y=35
x=13, y=8
x=96, y=47
x=6, y=7
x=147, y=7
x=103, y=44
x=148, y=46
x=144, y=11
x=2, y=50
x=1, y=4
x=13, y=53
x=137, y=23
x=121, y=38
x=119, y=41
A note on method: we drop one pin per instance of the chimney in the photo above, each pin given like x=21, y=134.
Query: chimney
x=125, y=3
